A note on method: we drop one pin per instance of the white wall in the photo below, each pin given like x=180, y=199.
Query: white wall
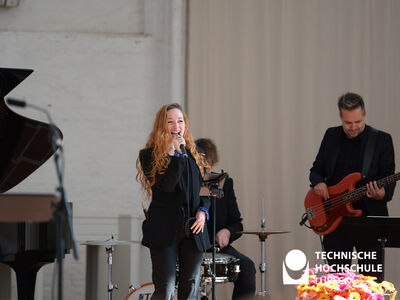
x=102, y=69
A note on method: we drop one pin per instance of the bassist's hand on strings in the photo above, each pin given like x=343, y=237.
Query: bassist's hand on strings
x=374, y=192
x=322, y=190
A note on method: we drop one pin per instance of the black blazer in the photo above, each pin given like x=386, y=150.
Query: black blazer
x=178, y=186
x=228, y=215
x=382, y=165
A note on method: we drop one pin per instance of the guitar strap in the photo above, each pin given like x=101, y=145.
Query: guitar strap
x=369, y=151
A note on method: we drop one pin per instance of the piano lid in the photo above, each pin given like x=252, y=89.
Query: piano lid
x=24, y=143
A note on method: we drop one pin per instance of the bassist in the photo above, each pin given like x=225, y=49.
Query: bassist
x=342, y=152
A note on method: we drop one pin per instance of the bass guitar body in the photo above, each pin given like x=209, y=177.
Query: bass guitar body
x=325, y=216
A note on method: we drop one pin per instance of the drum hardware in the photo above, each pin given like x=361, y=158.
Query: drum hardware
x=262, y=235
x=133, y=287
x=110, y=243
x=203, y=291
x=110, y=286
x=227, y=270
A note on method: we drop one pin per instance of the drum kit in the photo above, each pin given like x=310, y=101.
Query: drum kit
x=227, y=268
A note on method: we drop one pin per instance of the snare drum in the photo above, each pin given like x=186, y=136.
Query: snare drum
x=227, y=268
x=144, y=292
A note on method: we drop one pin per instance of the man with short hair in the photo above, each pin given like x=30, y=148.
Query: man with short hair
x=341, y=153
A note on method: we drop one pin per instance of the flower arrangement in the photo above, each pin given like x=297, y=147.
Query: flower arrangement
x=344, y=286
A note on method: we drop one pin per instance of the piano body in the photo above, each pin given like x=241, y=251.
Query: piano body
x=27, y=231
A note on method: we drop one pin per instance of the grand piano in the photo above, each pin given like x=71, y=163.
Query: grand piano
x=27, y=230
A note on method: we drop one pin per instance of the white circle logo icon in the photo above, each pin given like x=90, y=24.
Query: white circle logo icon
x=295, y=260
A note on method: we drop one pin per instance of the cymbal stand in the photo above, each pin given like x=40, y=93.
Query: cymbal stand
x=110, y=286
x=263, y=264
x=263, y=269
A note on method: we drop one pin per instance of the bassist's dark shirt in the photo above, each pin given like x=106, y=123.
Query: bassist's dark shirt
x=350, y=157
x=349, y=160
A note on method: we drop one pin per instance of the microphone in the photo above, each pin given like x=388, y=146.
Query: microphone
x=183, y=149
x=16, y=102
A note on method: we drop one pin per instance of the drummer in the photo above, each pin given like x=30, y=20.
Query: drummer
x=228, y=223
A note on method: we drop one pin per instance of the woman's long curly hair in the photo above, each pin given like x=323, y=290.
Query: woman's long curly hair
x=159, y=141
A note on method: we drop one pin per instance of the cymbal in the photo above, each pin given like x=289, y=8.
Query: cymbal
x=262, y=233
x=110, y=242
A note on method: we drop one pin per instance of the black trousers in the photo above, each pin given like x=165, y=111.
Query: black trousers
x=343, y=241
x=245, y=285
x=164, y=267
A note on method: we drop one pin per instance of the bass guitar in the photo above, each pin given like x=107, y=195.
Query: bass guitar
x=325, y=216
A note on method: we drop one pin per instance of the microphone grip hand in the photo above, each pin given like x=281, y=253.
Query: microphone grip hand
x=180, y=145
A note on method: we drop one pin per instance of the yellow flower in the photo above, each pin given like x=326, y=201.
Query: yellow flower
x=354, y=296
x=387, y=286
x=331, y=284
x=393, y=296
